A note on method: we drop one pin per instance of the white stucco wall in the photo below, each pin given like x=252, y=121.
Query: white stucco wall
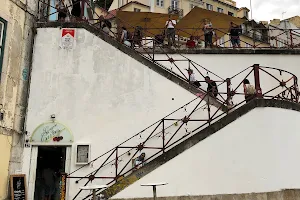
x=100, y=93
x=249, y=155
x=105, y=96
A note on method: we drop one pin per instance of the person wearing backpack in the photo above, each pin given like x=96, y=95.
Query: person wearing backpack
x=125, y=37
x=249, y=90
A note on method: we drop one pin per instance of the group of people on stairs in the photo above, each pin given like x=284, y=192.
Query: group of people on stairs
x=212, y=87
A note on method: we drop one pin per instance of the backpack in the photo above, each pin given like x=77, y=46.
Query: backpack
x=129, y=35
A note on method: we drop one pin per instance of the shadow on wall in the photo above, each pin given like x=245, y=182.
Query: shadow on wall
x=289, y=194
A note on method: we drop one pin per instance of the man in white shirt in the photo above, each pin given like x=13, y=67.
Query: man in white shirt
x=170, y=25
x=192, y=78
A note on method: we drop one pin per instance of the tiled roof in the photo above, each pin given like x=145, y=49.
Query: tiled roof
x=111, y=14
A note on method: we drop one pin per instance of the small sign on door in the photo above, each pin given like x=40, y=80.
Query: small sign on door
x=67, y=38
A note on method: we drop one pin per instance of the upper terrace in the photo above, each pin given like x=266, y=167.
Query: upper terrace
x=254, y=38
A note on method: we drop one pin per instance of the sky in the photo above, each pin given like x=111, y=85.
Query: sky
x=266, y=10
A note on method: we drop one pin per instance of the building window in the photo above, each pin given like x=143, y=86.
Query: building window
x=174, y=4
x=220, y=10
x=209, y=7
x=137, y=10
x=246, y=14
x=3, y=25
x=192, y=6
x=160, y=3
x=230, y=13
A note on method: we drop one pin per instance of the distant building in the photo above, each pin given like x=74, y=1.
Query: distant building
x=283, y=33
x=295, y=20
x=181, y=7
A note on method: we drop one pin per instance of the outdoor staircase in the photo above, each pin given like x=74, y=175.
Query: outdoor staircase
x=198, y=137
x=155, y=66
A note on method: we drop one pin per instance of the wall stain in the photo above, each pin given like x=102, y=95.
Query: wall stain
x=25, y=74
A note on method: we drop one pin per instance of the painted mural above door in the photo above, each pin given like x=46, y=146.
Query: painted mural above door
x=51, y=132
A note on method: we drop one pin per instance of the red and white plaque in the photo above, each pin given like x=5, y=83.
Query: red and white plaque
x=67, y=38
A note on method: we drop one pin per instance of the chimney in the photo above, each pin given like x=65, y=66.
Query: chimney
x=265, y=23
x=275, y=22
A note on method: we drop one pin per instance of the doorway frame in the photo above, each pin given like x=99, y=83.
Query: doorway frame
x=33, y=166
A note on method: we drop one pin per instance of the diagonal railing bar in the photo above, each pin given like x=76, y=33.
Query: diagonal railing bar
x=283, y=85
x=183, y=121
x=152, y=132
x=243, y=79
x=271, y=90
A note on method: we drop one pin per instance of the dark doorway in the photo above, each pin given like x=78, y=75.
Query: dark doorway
x=50, y=164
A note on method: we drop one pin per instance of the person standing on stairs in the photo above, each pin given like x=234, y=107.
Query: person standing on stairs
x=125, y=37
x=212, y=87
x=192, y=78
x=249, y=90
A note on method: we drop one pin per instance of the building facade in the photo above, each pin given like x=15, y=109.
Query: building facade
x=183, y=7
x=16, y=35
x=284, y=33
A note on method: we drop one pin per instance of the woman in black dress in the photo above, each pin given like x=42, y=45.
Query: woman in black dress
x=76, y=8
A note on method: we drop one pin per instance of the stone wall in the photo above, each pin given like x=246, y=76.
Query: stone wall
x=291, y=194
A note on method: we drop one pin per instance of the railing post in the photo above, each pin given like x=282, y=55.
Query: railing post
x=228, y=82
x=296, y=88
x=82, y=9
x=208, y=108
x=163, y=134
x=257, y=81
x=63, y=186
x=116, y=164
x=291, y=38
x=153, y=49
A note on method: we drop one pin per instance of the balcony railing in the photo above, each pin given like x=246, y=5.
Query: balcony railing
x=200, y=2
x=175, y=11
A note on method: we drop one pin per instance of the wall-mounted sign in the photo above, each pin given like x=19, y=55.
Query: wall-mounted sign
x=67, y=38
x=83, y=154
x=51, y=132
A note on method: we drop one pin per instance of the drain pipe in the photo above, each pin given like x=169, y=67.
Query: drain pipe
x=151, y=4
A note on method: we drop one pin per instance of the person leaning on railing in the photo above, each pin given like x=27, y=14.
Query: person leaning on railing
x=208, y=33
x=62, y=10
x=76, y=9
x=249, y=90
x=137, y=36
x=212, y=87
x=192, y=78
x=170, y=25
x=235, y=32
x=125, y=37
